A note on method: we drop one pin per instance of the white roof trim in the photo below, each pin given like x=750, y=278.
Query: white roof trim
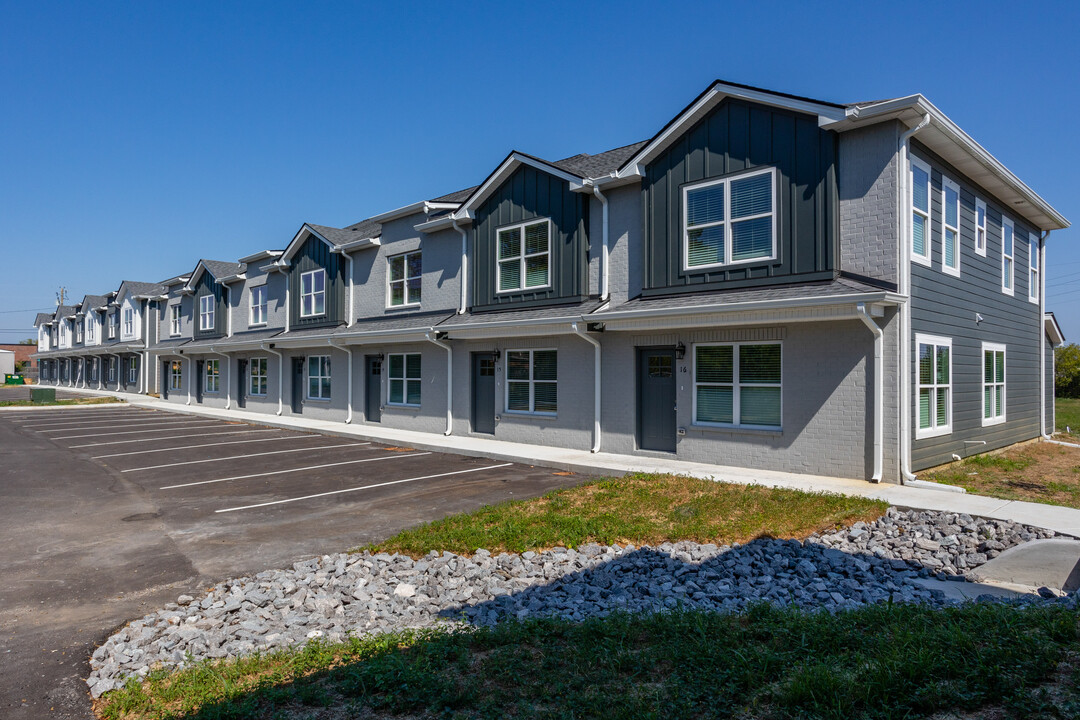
x=497, y=178
x=1050, y=324
x=721, y=307
x=261, y=255
x=295, y=243
x=424, y=206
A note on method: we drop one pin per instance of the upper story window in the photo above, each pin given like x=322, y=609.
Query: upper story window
x=730, y=221
x=258, y=305
x=1033, y=268
x=524, y=256
x=78, y=331
x=113, y=322
x=737, y=384
x=950, y=231
x=313, y=293
x=129, y=321
x=1007, y=251
x=90, y=327
x=174, y=319
x=935, y=385
x=405, y=279
x=206, y=312
x=980, y=227
x=920, y=211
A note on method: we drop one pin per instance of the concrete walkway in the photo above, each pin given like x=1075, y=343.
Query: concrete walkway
x=1052, y=517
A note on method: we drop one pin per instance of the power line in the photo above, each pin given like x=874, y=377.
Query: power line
x=5, y=312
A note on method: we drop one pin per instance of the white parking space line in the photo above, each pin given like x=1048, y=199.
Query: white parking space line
x=365, y=487
x=251, y=455
x=111, y=421
x=299, y=469
x=137, y=432
x=147, y=424
x=174, y=437
x=206, y=445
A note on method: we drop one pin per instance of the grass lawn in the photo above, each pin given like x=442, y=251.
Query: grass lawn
x=639, y=509
x=71, y=401
x=886, y=661
x=1036, y=472
x=1067, y=415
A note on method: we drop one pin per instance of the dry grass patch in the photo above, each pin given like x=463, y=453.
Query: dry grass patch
x=1035, y=472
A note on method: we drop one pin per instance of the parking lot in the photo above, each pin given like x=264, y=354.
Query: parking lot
x=22, y=392
x=107, y=512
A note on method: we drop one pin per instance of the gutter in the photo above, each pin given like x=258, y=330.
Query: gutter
x=348, y=350
x=431, y=338
x=188, y=364
x=463, y=306
x=879, y=392
x=885, y=297
x=583, y=334
x=280, y=375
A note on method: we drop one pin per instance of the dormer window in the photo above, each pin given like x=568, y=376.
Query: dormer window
x=258, y=305
x=730, y=221
x=313, y=293
x=112, y=325
x=90, y=328
x=524, y=256
x=78, y=331
x=206, y=312
x=405, y=279
x=129, y=321
x=174, y=320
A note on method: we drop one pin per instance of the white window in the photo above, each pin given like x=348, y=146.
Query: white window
x=212, y=371
x=78, y=331
x=174, y=319
x=133, y=370
x=176, y=377
x=129, y=322
x=920, y=211
x=935, y=385
x=112, y=325
x=319, y=377
x=730, y=221
x=1007, y=251
x=258, y=305
x=950, y=227
x=258, y=376
x=313, y=293
x=532, y=381
x=738, y=384
x=405, y=279
x=524, y=256
x=90, y=328
x=993, y=383
x=980, y=227
x=207, y=307
x=404, y=377
x=1033, y=268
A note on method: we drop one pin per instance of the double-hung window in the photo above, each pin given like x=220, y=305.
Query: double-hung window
x=112, y=325
x=404, y=277
x=313, y=293
x=1007, y=252
x=524, y=256
x=207, y=307
x=258, y=306
x=112, y=370
x=405, y=383
x=920, y=211
x=176, y=375
x=950, y=228
x=78, y=331
x=980, y=227
x=213, y=376
x=993, y=383
x=258, y=376
x=318, y=377
x=935, y=385
x=90, y=328
x=730, y=221
x=1033, y=268
x=133, y=370
x=738, y=384
x=532, y=381
x=129, y=322
x=174, y=319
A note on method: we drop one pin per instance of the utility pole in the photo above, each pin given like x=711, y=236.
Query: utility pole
x=60, y=296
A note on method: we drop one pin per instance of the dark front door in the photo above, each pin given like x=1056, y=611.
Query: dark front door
x=298, y=385
x=199, y=375
x=483, y=393
x=373, y=388
x=241, y=376
x=166, y=379
x=656, y=399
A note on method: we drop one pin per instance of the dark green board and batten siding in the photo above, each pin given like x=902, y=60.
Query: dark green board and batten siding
x=528, y=194
x=738, y=136
x=946, y=306
x=312, y=255
x=208, y=286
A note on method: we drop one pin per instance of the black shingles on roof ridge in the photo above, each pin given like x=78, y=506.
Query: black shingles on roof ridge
x=222, y=268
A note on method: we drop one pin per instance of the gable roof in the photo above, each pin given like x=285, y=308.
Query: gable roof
x=92, y=302
x=64, y=311
x=139, y=289
x=594, y=166
x=365, y=233
x=43, y=319
x=1053, y=330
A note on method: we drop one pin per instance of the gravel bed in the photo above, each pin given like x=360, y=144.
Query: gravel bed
x=333, y=596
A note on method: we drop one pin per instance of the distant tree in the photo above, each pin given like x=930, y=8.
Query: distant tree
x=1067, y=371
x=28, y=341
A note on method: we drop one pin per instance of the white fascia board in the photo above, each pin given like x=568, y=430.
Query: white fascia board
x=508, y=166
x=355, y=245
x=232, y=278
x=550, y=325
x=296, y=242
x=1050, y=324
x=261, y=255
x=886, y=298
x=442, y=223
x=189, y=286
x=423, y=206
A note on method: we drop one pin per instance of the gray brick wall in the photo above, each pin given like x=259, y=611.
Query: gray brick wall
x=868, y=197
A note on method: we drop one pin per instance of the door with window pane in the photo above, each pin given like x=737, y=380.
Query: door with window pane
x=656, y=408
x=241, y=386
x=373, y=389
x=483, y=395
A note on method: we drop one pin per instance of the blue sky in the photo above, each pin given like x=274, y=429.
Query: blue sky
x=137, y=137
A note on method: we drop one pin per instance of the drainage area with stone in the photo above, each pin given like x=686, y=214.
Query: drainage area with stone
x=333, y=596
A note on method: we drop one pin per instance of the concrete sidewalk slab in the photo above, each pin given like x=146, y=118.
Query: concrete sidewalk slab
x=1053, y=563
x=972, y=590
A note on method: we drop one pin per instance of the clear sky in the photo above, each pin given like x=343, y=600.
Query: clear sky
x=138, y=137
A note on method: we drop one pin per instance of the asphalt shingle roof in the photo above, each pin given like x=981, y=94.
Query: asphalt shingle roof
x=592, y=166
x=459, y=196
x=42, y=318
x=144, y=288
x=222, y=269
x=550, y=312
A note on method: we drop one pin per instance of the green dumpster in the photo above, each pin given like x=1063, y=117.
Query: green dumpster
x=13, y=380
x=42, y=395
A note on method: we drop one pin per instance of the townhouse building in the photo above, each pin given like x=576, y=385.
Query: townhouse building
x=769, y=281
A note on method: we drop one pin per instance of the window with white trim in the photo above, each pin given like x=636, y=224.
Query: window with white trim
x=78, y=331
x=950, y=227
x=993, y=383
x=318, y=371
x=404, y=377
x=174, y=319
x=258, y=306
x=133, y=370
x=112, y=370
x=176, y=375
x=207, y=309
x=935, y=385
x=113, y=322
x=313, y=293
x=532, y=378
x=980, y=227
x=920, y=211
x=738, y=384
x=257, y=376
x=1033, y=268
x=90, y=328
x=524, y=256
x=1007, y=251
x=730, y=221
x=212, y=374
x=404, y=278
x=129, y=321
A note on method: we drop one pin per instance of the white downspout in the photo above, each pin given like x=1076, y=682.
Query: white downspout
x=904, y=217
x=118, y=371
x=596, y=384
x=187, y=364
x=349, y=315
x=1042, y=334
x=604, y=272
x=879, y=392
x=449, y=381
x=281, y=372
x=349, y=352
x=228, y=369
x=100, y=374
x=463, y=305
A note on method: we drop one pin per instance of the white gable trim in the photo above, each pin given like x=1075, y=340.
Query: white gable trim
x=465, y=213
